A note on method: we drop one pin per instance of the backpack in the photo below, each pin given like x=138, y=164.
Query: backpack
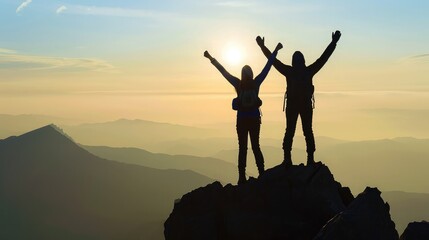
x=247, y=99
x=300, y=89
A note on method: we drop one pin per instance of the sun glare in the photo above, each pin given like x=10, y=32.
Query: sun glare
x=233, y=55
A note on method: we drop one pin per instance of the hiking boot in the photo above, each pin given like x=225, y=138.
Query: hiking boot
x=261, y=171
x=310, y=159
x=241, y=181
x=287, y=161
x=241, y=177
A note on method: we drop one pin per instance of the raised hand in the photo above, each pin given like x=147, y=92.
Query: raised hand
x=260, y=41
x=207, y=55
x=336, y=36
x=278, y=47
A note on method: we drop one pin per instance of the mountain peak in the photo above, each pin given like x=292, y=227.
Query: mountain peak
x=47, y=139
x=48, y=131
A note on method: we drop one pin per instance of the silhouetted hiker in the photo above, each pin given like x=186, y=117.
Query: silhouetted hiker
x=247, y=105
x=299, y=95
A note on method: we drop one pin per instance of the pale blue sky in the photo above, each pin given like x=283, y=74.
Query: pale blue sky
x=107, y=29
x=76, y=52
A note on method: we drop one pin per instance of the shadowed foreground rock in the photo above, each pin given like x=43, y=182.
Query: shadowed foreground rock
x=283, y=204
x=367, y=217
x=416, y=231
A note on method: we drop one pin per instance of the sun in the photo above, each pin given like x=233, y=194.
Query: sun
x=233, y=55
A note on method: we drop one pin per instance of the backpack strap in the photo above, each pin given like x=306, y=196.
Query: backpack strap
x=313, y=101
x=284, y=101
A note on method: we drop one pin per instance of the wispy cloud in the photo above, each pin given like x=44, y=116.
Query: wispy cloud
x=10, y=59
x=23, y=5
x=118, y=12
x=421, y=58
x=3, y=50
x=262, y=7
x=235, y=4
x=61, y=9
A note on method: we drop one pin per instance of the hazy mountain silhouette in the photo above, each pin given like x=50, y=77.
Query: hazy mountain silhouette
x=12, y=125
x=407, y=207
x=135, y=133
x=364, y=163
x=391, y=164
x=170, y=138
x=214, y=168
x=50, y=188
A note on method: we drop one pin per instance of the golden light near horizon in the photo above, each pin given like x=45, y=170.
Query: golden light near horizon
x=233, y=55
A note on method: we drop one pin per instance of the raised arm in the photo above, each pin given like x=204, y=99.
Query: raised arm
x=231, y=79
x=319, y=63
x=261, y=77
x=282, y=68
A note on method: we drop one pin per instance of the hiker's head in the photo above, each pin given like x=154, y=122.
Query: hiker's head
x=246, y=73
x=298, y=59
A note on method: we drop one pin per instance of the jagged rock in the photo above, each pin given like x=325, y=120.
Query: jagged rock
x=416, y=231
x=366, y=218
x=282, y=204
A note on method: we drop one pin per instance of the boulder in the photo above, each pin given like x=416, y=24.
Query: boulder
x=416, y=231
x=366, y=218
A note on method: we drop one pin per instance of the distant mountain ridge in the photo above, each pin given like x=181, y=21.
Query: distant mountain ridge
x=50, y=188
x=11, y=125
x=407, y=207
x=135, y=133
x=214, y=168
x=390, y=164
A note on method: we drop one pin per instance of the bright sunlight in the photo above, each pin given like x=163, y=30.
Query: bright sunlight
x=233, y=55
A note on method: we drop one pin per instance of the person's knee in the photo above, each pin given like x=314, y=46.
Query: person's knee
x=256, y=148
x=242, y=145
x=242, y=149
x=308, y=132
x=288, y=136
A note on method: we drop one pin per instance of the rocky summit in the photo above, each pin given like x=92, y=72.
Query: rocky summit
x=293, y=203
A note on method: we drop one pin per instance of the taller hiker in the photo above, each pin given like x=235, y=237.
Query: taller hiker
x=299, y=95
x=247, y=105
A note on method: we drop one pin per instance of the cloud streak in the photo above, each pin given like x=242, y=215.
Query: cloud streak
x=23, y=5
x=12, y=60
x=61, y=9
x=421, y=58
x=235, y=4
x=118, y=12
x=2, y=50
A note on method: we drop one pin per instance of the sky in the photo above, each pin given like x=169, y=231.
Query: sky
x=96, y=61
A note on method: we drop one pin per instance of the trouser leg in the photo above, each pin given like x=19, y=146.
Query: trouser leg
x=242, y=133
x=254, y=132
x=291, y=118
x=307, y=128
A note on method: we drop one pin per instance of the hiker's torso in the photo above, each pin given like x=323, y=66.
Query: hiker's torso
x=253, y=112
x=299, y=87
